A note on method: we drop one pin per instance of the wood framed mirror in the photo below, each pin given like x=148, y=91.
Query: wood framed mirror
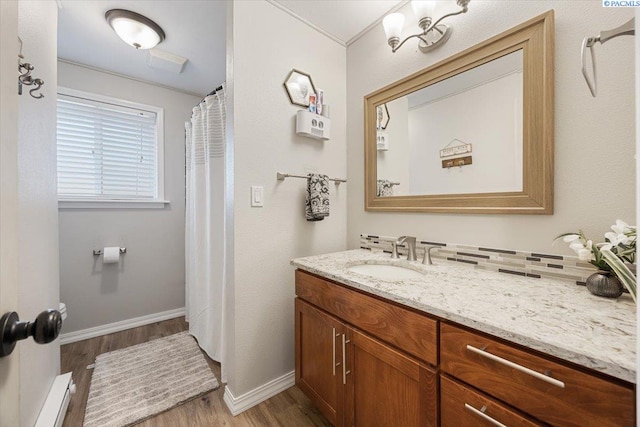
x=471, y=134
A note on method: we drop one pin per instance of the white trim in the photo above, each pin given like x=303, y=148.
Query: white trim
x=333, y=37
x=96, y=97
x=304, y=21
x=124, y=76
x=160, y=154
x=375, y=23
x=111, y=204
x=110, y=328
x=259, y=394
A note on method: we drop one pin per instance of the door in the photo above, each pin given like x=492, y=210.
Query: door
x=29, y=272
x=9, y=367
x=386, y=387
x=319, y=359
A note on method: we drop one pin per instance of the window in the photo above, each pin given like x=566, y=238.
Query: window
x=109, y=150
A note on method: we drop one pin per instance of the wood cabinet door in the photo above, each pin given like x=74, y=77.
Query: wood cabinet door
x=386, y=387
x=318, y=350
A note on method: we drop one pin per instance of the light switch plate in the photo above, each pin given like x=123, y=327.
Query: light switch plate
x=257, y=196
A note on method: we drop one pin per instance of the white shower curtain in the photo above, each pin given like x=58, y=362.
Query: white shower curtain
x=204, y=230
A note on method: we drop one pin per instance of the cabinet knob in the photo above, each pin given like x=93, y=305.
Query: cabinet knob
x=44, y=329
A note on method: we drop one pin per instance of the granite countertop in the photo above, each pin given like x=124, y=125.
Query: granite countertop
x=551, y=316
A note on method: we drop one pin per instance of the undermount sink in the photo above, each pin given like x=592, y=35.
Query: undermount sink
x=387, y=272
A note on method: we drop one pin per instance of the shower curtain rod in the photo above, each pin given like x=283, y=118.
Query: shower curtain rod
x=213, y=92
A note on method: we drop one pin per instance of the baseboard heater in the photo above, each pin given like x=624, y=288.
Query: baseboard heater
x=55, y=407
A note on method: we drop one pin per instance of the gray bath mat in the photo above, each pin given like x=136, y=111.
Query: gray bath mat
x=135, y=383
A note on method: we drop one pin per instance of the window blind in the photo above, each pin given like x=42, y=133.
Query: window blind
x=105, y=151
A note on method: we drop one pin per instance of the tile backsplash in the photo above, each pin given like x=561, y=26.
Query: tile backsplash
x=522, y=263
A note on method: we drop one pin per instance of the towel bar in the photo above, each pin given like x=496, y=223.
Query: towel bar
x=282, y=176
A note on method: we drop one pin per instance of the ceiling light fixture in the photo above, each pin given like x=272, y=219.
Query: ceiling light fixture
x=432, y=36
x=134, y=29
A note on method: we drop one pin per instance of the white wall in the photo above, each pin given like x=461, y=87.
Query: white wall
x=594, y=167
x=267, y=44
x=150, y=277
x=37, y=203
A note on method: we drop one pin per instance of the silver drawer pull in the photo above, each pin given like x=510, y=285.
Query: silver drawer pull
x=344, y=359
x=517, y=367
x=484, y=416
x=333, y=340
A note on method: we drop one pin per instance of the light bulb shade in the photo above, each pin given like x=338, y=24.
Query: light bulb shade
x=393, y=24
x=135, y=29
x=423, y=8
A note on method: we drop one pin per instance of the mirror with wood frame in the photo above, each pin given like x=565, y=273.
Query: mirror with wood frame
x=470, y=134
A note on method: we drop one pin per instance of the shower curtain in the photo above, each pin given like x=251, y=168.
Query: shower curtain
x=204, y=228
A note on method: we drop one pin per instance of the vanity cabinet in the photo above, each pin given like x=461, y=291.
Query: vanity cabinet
x=356, y=378
x=365, y=361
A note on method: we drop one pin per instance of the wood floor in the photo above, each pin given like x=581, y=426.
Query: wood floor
x=289, y=408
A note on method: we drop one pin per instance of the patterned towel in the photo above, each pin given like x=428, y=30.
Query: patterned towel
x=385, y=188
x=317, y=199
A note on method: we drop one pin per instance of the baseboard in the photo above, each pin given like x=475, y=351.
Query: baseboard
x=258, y=395
x=110, y=328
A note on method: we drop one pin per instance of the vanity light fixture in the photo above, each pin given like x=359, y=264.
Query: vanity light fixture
x=433, y=34
x=134, y=29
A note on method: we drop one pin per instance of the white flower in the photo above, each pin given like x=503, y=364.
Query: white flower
x=589, y=244
x=612, y=237
x=570, y=238
x=576, y=246
x=620, y=227
x=618, y=238
x=584, y=254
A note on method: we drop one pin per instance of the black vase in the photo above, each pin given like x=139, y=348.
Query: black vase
x=604, y=284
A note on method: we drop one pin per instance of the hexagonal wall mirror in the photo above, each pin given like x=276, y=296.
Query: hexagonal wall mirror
x=299, y=86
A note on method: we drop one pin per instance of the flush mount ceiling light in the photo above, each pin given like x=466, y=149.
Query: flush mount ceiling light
x=432, y=36
x=135, y=29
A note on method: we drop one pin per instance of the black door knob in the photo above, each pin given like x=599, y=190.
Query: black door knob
x=44, y=329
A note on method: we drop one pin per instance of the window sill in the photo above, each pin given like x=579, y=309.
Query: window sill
x=111, y=204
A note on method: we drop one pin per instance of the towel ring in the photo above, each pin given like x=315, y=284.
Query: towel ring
x=588, y=42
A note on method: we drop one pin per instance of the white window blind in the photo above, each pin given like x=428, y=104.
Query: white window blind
x=106, y=151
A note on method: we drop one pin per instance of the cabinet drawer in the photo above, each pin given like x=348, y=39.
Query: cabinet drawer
x=550, y=391
x=409, y=331
x=463, y=407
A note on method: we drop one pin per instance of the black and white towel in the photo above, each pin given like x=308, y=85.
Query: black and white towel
x=317, y=199
x=385, y=188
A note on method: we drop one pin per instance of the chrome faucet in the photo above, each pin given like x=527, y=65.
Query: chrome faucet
x=427, y=255
x=411, y=246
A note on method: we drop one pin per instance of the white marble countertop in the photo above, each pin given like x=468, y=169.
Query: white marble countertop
x=554, y=317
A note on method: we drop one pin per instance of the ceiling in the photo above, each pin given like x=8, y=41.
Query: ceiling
x=195, y=29
x=343, y=19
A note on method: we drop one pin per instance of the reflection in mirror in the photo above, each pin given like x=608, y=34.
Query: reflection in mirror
x=461, y=135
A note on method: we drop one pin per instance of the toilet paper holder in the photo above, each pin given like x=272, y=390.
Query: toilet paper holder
x=98, y=252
